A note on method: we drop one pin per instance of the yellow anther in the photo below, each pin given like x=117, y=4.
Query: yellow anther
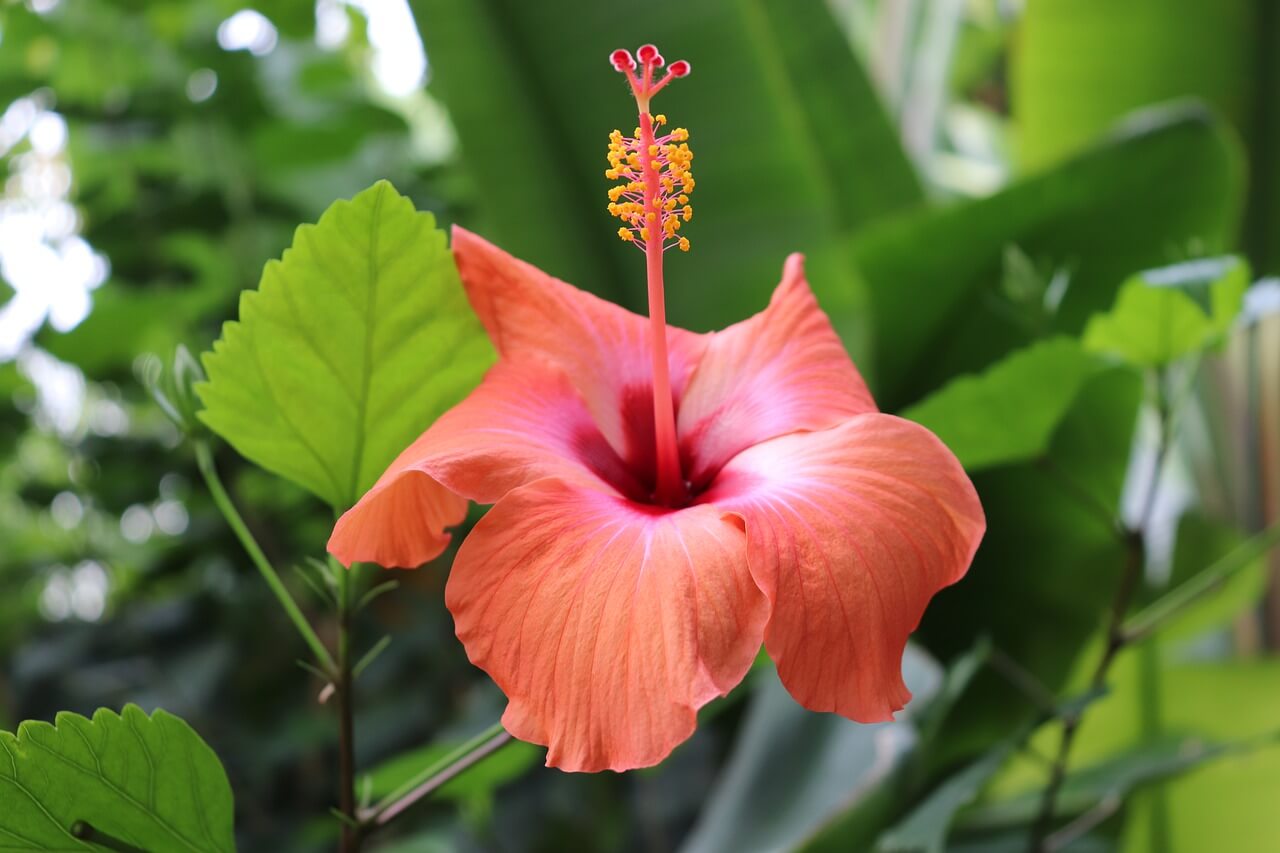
x=682, y=198
x=625, y=234
x=644, y=233
x=684, y=244
x=660, y=118
x=650, y=216
x=611, y=174
x=688, y=213
x=653, y=151
x=655, y=165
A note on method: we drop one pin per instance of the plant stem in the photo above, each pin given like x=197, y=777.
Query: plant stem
x=437, y=774
x=1117, y=637
x=204, y=460
x=352, y=832
x=1169, y=606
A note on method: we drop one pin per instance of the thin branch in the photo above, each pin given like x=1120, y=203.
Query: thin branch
x=1170, y=605
x=1022, y=679
x=1117, y=637
x=436, y=775
x=1088, y=501
x=204, y=460
x=344, y=685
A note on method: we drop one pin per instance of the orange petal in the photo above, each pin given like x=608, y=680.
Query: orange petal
x=780, y=371
x=606, y=623
x=850, y=532
x=524, y=422
x=603, y=348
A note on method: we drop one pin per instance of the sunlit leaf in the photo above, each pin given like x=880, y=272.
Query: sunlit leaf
x=1008, y=413
x=150, y=782
x=354, y=343
x=1165, y=314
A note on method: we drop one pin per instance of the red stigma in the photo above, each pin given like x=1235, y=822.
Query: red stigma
x=645, y=81
x=621, y=60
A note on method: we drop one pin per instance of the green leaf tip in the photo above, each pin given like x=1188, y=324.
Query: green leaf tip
x=355, y=341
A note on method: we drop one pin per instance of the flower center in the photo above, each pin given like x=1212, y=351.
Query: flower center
x=652, y=200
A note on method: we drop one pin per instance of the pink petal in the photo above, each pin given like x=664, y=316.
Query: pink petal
x=606, y=623
x=850, y=532
x=524, y=422
x=781, y=371
x=603, y=348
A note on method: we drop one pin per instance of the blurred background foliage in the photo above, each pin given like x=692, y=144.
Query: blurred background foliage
x=970, y=179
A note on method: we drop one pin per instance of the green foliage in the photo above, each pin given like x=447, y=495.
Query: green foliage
x=1166, y=314
x=147, y=781
x=322, y=379
x=1056, y=514
x=1009, y=412
x=1184, y=48
x=1113, y=210
x=1143, y=52
x=925, y=829
x=795, y=773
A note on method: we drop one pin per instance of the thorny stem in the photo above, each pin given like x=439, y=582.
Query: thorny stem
x=1117, y=637
x=204, y=460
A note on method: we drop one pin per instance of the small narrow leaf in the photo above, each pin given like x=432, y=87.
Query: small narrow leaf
x=148, y=782
x=1008, y=413
x=353, y=344
x=1165, y=314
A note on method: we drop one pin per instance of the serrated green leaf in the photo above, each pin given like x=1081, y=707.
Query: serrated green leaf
x=353, y=344
x=1165, y=314
x=1008, y=413
x=150, y=782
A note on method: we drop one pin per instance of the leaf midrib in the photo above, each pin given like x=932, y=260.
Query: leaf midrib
x=366, y=377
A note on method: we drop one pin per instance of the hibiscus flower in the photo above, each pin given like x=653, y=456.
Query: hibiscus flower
x=666, y=502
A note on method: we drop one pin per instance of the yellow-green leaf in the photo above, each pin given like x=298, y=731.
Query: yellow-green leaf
x=355, y=341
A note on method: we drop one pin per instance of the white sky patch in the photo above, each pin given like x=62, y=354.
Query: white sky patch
x=248, y=30
x=201, y=85
x=399, y=62
x=50, y=268
x=60, y=391
x=80, y=592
